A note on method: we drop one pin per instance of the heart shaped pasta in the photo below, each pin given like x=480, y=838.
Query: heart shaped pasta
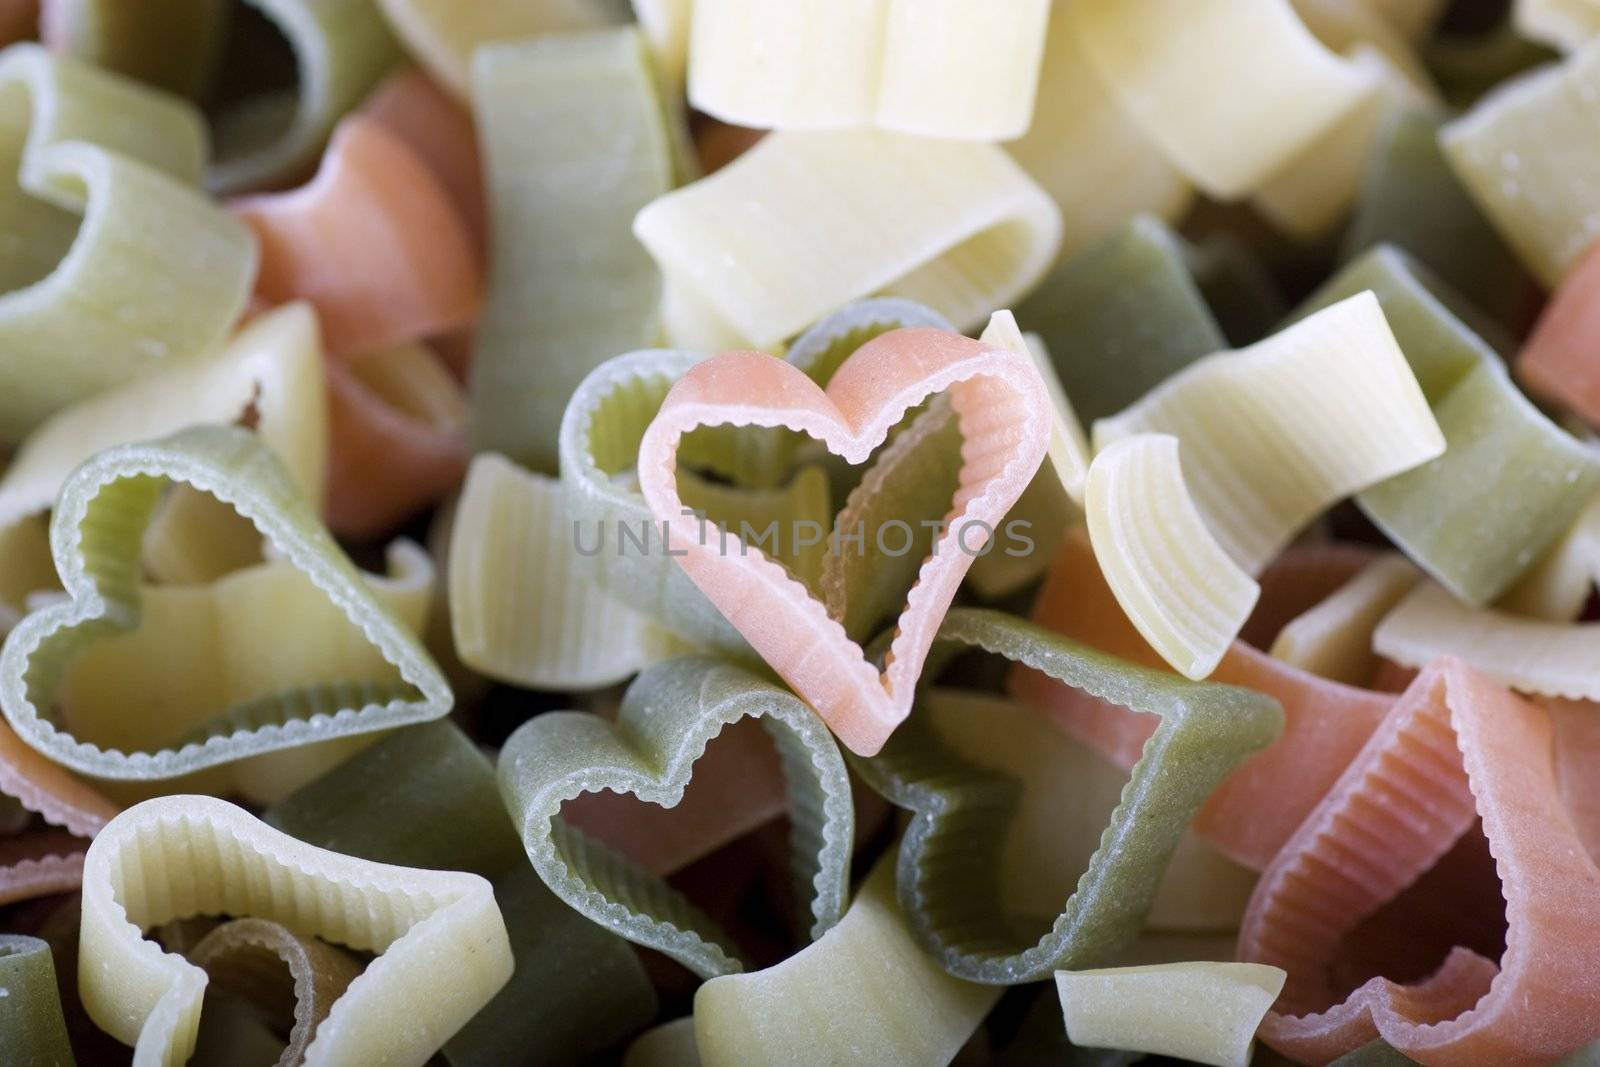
x=374, y=675
x=1003, y=412
x=441, y=946
x=669, y=715
x=965, y=811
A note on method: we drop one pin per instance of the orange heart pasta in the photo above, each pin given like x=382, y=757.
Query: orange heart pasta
x=1003, y=411
x=1455, y=748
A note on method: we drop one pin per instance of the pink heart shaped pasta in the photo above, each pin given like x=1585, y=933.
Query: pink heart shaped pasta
x=1004, y=414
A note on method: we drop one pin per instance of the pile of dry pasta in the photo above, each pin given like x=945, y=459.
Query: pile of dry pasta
x=773, y=533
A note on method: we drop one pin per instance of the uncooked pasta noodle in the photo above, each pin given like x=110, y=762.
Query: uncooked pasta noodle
x=558, y=757
x=434, y=932
x=1177, y=586
x=235, y=704
x=991, y=391
x=949, y=856
x=954, y=225
x=1277, y=432
x=799, y=533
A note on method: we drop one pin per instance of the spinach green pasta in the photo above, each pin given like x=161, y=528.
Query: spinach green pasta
x=342, y=48
x=1121, y=317
x=32, y=1028
x=948, y=859
x=553, y=188
x=1509, y=482
x=120, y=267
x=671, y=712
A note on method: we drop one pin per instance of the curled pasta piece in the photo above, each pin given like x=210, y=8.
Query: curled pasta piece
x=443, y=34
x=1270, y=87
x=441, y=943
x=1205, y=1012
x=886, y=999
x=55, y=99
x=269, y=375
x=119, y=266
x=1334, y=639
x=32, y=1028
x=621, y=545
x=267, y=964
x=426, y=797
x=669, y=715
x=94, y=539
x=902, y=65
x=1003, y=413
x=951, y=856
x=1171, y=577
x=1455, y=748
x=752, y=254
x=1277, y=432
x=397, y=438
x=1516, y=150
x=1509, y=481
x=555, y=186
x=440, y=131
x=1084, y=148
x=1255, y=809
x=174, y=45
x=523, y=609
x=342, y=48
x=374, y=243
x=1530, y=655
x=1564, y=24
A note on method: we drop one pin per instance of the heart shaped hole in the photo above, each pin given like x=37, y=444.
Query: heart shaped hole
x=241, y=673
x=719, y=846
x=1061, y=798
x=1455, y=903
